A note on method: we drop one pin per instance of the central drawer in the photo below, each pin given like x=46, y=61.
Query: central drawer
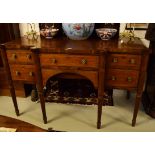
x=69, y=60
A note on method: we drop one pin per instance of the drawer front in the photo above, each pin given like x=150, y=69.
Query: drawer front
x=22, y=57
x=69, y=60
x=23, y=72
x=123, y=61
x=121, y=78
x=91, y=75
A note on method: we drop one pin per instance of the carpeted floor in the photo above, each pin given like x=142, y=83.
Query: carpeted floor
x=69, y=117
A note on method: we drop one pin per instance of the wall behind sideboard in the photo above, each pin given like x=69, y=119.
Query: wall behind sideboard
x=141, y=33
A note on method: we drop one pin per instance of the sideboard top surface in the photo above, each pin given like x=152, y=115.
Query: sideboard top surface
x=65, y=45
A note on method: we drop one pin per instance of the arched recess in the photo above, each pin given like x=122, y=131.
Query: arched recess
x=90, y=75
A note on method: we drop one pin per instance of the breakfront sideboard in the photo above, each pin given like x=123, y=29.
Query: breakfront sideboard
x=107, y=64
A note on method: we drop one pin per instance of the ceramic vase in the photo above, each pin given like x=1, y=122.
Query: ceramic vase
x=78, y=31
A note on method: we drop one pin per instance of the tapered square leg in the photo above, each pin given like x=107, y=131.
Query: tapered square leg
x=133, y=123
x=99, y=113
x=9, y=77
x=136, y=108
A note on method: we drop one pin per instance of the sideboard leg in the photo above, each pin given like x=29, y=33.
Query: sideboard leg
x=13, y=95
x=9, y=78
x=99, y=113
x=140, y=88
x=42, y=102
x=128, y=94
x=39, y=81
x=100, y=89
x=136, y=108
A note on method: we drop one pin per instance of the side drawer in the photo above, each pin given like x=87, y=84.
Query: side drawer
x=23, y=72
x=123, y=61
x=69, y=60
x=121, y=78
x=20, y=56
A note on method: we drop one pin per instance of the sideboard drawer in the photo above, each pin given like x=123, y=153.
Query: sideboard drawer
x=23, y=72
x=22, y=56
x=123, y=61
x=69, y=60
x=121, y=78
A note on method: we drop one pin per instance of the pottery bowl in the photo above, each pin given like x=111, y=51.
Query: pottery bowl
x=48, y=33
x=78, y=31
x=106, y=33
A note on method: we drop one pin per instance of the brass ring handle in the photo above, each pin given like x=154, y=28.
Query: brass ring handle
x=113, y=78
x=54, y=61
x=115, y=60
x=129, y=79
x=29, y=56
x=14, y=56
x=31, y=74
x=17, y=73
x=84, y=61
x=132, y=61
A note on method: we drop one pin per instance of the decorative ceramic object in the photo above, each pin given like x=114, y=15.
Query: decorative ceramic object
x=49, y=31
x=78, y=31
x=106, y=33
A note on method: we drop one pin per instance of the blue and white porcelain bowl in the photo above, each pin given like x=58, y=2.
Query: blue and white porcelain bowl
x=78, y=31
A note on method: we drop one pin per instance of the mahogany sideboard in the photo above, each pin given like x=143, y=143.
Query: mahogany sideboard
x=107, y=64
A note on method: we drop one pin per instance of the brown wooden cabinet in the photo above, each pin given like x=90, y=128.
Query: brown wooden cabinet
x=107, y=64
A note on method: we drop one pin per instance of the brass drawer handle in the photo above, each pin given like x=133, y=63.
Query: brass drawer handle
x=31, y=74
x=14, y=56
x=113, y=78
x=17, y=73
x=129, y=79
x=115, y=60
x=29, y=56
x=132, y=61
x=84, y=61
x=53, y=61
